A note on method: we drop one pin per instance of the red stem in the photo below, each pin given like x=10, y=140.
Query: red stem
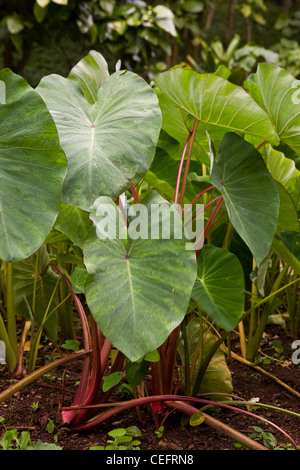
x=197, y=197
x=261, y=145
x=203, y=209
x=121, y=406
x=135, y=196
x=209, y=224
x=186, y=171
x=180, y=168
x=91, y=385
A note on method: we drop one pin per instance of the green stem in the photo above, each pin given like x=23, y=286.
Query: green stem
x=228, y=237
x=10, y=308
x=261, y=405
x=266, y=299
x=187, y=378
x=254, y=341
x=37, y=338
x=36, y=271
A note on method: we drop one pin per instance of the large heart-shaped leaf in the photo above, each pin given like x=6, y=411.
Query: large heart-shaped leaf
x=32, y=169
x=217, y=104
x=219, y=286
x=139, y=289
x=111, y=143
x=250, y=193
x=277, y=91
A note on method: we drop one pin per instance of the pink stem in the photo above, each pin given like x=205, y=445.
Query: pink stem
x=209, y=224
x=203, y=209
x=180, y=169
x=135, y=196
x=187, y=166
x=197, y=197
x=121, y=406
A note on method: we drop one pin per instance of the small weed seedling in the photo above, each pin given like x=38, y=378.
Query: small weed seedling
x=265, y=438
x=286, y=446
x=52, y=429
x=123, y=439
x=159, y=432
x=15, y=440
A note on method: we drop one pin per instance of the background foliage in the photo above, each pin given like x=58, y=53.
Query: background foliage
x=39, y=37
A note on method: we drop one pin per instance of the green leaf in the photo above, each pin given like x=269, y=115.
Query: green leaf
x=136, y=372
x=39, y=13
x=287, y=221
x=110, y=144
x=117, y=432
x=165, y=19
x=219, y=105
x=78, y=279
x=152, y=356
x=45, y=446
x=250, y=193
x=133, y=431
x=192, y=6
x=43, y=3
x=32, y=169
x=288, y=217
x=50, y=426
x=277, y=91
x=285, y=254
x=140, y=286
x=73, y=222
x=60, y=2
x=291, y=241
x=14, y=24
x=111, y=380
x=283, y=169
x=197, y=418
x=89, y=74
x=219, y=286
x=70, y=345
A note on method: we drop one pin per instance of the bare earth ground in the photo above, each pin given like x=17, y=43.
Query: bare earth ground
x=247, y=383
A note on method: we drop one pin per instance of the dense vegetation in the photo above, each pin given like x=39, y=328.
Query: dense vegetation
x=40, y=37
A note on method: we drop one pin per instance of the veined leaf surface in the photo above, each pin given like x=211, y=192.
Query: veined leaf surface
x=219, y=286
x=217, y=104
x=109, y=144
x=277, y=91
x=250, y=193
x=138, y=290
x=32, y=169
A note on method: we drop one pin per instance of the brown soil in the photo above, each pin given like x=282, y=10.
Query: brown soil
x=247, y=383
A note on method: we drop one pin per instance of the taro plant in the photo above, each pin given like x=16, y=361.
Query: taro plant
x=195, y=138
x=33, y=167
